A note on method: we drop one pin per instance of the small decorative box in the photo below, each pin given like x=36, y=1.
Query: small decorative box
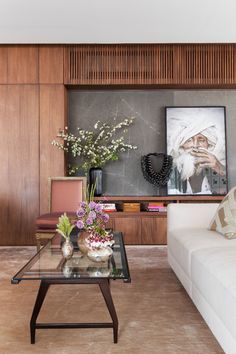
x=135, y=207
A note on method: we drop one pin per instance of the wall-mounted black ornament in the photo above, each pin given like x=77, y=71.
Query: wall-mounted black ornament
x=161, y=177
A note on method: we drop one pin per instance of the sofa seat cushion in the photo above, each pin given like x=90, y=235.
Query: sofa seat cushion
x=214, y=275
x=183, y=242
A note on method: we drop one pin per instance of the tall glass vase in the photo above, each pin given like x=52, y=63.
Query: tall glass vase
x=95, y=178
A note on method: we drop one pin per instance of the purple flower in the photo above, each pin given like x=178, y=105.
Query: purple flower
x=80, y=224
x=89, y=221
x=83, y=204
x=105, y=217
x=80, y=213
x=98, y=208
x=92, y=205
x=92, y=215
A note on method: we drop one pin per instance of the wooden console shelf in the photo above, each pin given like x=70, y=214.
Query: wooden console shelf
x=145, y=227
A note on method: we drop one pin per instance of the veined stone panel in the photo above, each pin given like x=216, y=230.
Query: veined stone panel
x=124, y=177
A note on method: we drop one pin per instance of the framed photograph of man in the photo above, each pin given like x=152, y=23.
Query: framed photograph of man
x=196, y=140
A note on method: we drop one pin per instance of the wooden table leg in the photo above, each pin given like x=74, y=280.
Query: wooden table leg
x=38, y=304
x=105, y=289
x=106, y=292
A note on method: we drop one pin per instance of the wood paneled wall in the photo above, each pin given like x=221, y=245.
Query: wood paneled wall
x=33, y=106
x=32, y=109
x=51, y=64
x=151, y=64
x=19, y=146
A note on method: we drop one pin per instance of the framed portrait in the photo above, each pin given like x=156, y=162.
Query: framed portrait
x=196, y=140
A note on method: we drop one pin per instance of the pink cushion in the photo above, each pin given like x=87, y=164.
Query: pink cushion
x=66, y=195
x=50, y=220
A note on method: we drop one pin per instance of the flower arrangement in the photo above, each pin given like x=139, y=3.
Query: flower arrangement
x=92, y=218
x=94, y=148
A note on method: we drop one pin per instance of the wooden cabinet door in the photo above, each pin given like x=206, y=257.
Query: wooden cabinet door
x=131, y=229
x=154, y=230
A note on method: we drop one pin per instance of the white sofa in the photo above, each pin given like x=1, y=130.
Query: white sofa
x=205, y=263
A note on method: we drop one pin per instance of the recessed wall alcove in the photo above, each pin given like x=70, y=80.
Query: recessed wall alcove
x=124, y=177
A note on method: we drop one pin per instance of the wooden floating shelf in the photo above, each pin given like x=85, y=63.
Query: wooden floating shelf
x=160, y=198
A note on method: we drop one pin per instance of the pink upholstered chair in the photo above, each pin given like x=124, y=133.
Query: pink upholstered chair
x=65, y=194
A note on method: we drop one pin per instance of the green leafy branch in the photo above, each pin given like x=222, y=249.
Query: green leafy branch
x=64, y=227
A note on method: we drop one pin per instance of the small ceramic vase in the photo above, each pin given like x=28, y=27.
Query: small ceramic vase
x=67, y=249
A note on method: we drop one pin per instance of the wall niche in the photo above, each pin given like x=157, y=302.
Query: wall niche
x=124, y=177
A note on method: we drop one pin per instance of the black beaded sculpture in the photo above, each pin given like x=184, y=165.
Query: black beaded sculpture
x=157, y=178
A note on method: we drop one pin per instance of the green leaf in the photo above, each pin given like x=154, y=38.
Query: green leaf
x=64, y=227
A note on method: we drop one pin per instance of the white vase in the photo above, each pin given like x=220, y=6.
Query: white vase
x=100, y=254
x=67, y=249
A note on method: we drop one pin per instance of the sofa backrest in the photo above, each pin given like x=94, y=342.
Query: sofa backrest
x=188, y=215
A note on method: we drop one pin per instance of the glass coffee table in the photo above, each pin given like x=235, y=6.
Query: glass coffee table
x=50, y=267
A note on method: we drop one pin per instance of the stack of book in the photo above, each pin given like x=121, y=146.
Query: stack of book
x=155, y=206
x=108, y=207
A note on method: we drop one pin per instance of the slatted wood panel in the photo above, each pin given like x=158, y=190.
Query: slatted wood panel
x=153, y=64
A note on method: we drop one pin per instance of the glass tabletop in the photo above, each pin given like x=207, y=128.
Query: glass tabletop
x=49, y=264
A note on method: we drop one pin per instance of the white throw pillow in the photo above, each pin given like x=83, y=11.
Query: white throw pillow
x=224, y=220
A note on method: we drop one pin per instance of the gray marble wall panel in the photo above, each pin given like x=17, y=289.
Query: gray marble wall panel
x=124, y=177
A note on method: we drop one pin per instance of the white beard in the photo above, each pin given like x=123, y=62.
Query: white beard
x=185, y=164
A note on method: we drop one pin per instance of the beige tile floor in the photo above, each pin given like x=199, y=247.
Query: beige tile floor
x=155, y=313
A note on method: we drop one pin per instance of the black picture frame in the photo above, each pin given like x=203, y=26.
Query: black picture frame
x=196, y=140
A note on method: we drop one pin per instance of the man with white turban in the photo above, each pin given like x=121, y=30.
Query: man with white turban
x=196, y=148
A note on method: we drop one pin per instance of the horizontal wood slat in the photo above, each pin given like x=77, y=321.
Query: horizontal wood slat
x=159, y=64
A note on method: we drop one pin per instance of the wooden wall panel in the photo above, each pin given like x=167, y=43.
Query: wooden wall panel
x=3, y=64
x=4, y=156
x=19, y=146
x=52, y=117
x=22, y=64
x=51, y=64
